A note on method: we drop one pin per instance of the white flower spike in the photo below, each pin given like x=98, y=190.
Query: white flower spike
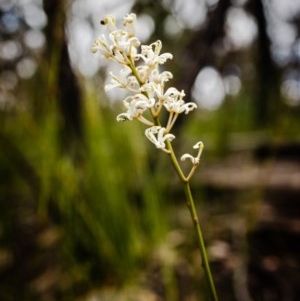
x=141, y=77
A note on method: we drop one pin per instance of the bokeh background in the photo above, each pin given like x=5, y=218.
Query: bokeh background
x=91, y=211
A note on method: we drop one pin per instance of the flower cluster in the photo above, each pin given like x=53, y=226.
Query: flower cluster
x=141, y=77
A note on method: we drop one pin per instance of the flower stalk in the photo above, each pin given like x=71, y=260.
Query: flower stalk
x=142, y=78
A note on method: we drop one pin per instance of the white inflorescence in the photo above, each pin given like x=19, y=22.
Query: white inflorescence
x=141, y=77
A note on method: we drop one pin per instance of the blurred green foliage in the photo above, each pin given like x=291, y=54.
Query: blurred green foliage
x=102, y=201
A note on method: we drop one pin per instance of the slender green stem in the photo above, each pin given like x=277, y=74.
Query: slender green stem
x=185, y=180
x=205, y=262
x=194, y=216
x=175, y=162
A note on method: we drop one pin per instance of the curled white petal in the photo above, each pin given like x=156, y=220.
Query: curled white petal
x=199, y=144
x=127, y=117
x=123, y=117
x=194, y=160
x=188, y=107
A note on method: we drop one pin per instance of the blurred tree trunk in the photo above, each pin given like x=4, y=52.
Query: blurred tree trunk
x=62, y=82
x=199, y=52
x=267, y=98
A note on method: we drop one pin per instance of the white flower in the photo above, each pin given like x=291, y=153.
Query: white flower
x=123, y=42
x=136, y=105
x=102, y=46
x=129, y=24
x=157, y=135
x=120, y=50
x=195, y=160
x=173, y=99
x=123, y=47
x=152, y=90
x=143, y=73
x=159, y=78
x=152, y=57
x=174, y=103
x=110, y=22
x=179, y=106
x=173, y=94
x=149, y=74
x=124, y=81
